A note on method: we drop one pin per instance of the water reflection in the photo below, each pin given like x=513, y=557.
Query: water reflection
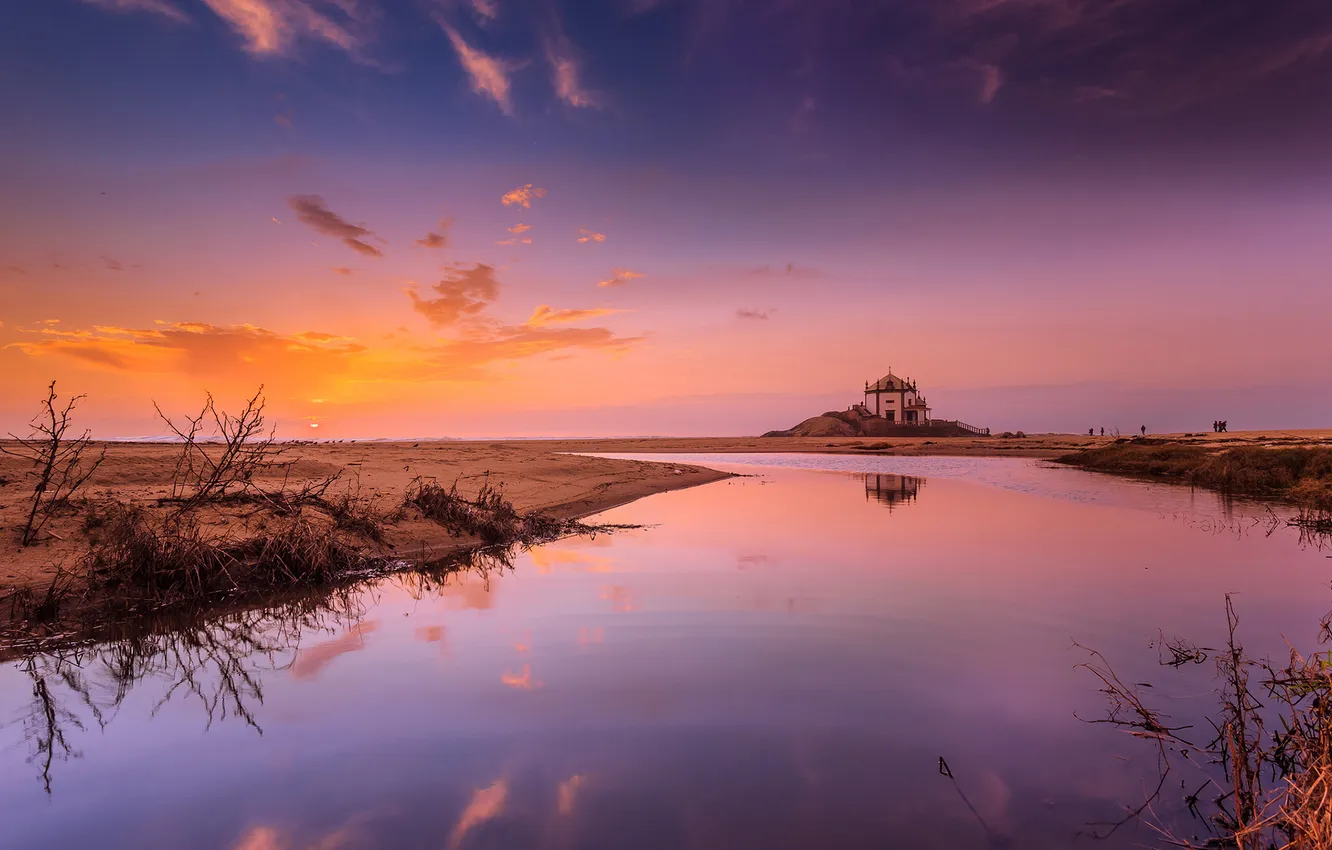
x=892, y=490
x=217, y=664
x=765, y=663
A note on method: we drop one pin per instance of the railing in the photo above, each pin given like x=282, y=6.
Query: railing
x=972, y=429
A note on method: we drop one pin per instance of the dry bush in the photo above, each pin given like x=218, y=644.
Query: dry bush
x=240, y=451
x=61, y=463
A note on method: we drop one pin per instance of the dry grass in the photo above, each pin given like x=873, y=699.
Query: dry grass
x=1264, y=780
x=487, y=516
x=139, y=554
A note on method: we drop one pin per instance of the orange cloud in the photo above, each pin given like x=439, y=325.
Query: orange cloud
x=486, y=804
x=546, y=315
x=343, y=270
x=522, y=680
x=489, y=74
x=546, y=559
x=620, y=598
x=526, y=240
x=567, y=793
x=271, y=27
x=195, y=348
x=522, y=196
x=619, y=277
x=585, y=236
x=260, y=838
x=464, y=293
x=312, y=211
x=589, y=637
x=519, y=228
x=310, y=661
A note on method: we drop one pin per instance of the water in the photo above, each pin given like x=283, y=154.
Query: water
x=777, y=661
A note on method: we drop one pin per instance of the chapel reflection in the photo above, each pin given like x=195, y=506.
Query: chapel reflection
x=892, y=490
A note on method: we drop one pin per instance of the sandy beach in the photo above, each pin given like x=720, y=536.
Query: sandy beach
x=550, y=476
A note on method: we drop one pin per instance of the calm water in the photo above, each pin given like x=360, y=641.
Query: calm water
x=778, y=661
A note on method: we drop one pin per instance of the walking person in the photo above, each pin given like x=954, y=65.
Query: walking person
x=1144, y=430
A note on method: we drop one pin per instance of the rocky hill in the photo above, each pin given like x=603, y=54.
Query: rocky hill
x=852, y=423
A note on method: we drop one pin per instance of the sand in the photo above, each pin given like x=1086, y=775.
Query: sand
x=536, y=475
x=534, y=478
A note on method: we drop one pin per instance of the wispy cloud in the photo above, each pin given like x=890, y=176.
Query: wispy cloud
x=745, y=313
x=486, y=803
x=522, y=196
x=619, y=277
x=515, y=240
x=566, y=75
x=519, y=228
x=489, y=74
x=486, y=11
x=465, y=293
x=160, y=7
x=112, y=265
x=14, y=269
x=314, y=212
x=273, y=27
x=547, y=315
x=343, y=270
x=585, y=236
x=992, y=79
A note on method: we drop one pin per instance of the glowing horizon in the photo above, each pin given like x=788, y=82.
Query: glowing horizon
x=630, y=217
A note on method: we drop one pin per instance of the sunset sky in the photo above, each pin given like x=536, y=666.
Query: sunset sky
x=411, y=218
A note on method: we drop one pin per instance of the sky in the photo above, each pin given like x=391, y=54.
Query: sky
x=502, y=218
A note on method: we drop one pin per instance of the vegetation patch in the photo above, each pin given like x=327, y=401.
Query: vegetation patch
x=1299, y=475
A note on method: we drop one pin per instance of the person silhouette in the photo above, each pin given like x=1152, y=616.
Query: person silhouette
x=1144, y=430
x=1091, y=432
x=1102, y=430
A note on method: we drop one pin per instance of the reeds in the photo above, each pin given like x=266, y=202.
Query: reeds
x=1264, y=779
